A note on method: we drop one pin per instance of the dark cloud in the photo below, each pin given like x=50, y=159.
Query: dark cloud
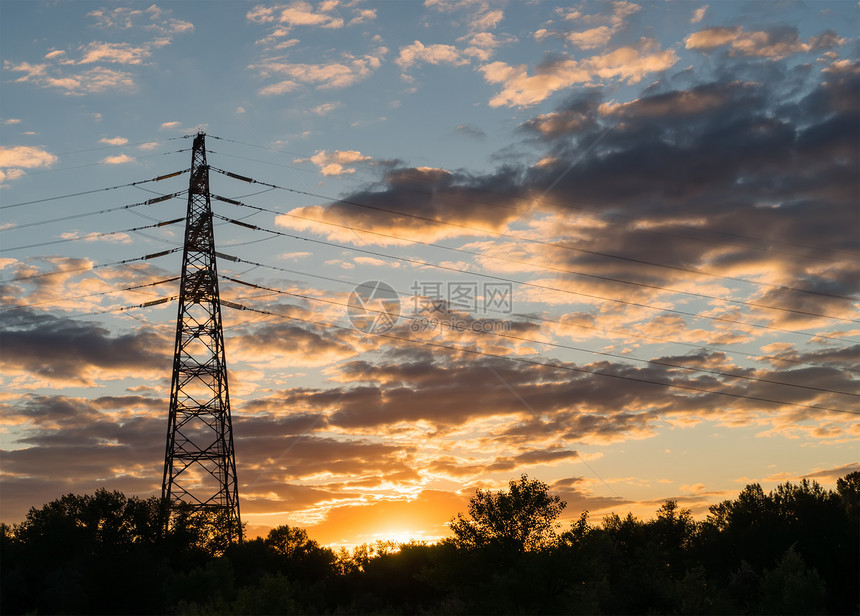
x=600, y=400
x=300, y=344
x=455, y=467
x=281, y=457
x=411, y=198
x=728, y=175
x=63, y=349
x=579, y=501
x=282, y=495
x=471, y=132
x=834, y=473
x=845, y=359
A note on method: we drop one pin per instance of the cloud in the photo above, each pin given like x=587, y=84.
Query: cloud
x=699, y=14
x=118, y=159
x=27, y=157
x=680, y=128
x=296, y=14
x=430, y=54
x=363, y=16
x=603, y=26
x=118, y=53
x=294, y=255
x=646, y=192
x=65, y=351
x=774, y=43
x=480, y=46
x=114, y=140
x=118, y=440
x=123, y=238
x=425, y=192
x=64, y=73
x=332, y=75
x=325, y=108
x=832, y=474
x=482, y=15
x=122, y=18
x=600, y=402
x=10, y=174
x=125, y=18
x=471, y=132
x=335, y=162
x=161, y=21
x=487, y=20
x=592, y=38
x=90, y=81
x=14, y=159
x=283, y=19
x=628, y=64
x=282, y=87
x=289, y=345
x=32, y=72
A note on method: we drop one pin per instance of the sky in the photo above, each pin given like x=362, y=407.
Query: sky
x=610, y=245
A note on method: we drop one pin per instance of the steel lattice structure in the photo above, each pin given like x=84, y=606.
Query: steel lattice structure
x=199, y=463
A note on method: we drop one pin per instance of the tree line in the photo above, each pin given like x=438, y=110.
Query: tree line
x=793, y=550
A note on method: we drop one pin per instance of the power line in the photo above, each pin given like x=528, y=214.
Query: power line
x=148, y=304
x=755, y=246
x=98, y=294
x=152, y=201
x=153, y=255
x=96, y=235
x=532, y=284
x=522, y=360
x=95, y=190
x=353, y=284
x=121, y=145
x=547, y=267
x=520, y=238
x=558, y=345
x=101, y=162
x=532, y=317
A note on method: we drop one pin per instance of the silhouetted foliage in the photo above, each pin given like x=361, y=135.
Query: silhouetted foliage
x=523, y=518
x=790, y=551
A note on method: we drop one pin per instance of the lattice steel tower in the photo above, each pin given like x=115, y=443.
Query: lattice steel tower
x=199, y=464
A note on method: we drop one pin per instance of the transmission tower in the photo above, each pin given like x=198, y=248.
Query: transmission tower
x=199, y=463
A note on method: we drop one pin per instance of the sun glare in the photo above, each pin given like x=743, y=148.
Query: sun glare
x=400, y=536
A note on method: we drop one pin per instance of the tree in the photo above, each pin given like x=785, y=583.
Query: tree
x=673, y=529
x=848, y=488
x=792, y=588
x=85, y=554
x=291, y=542
x=524, y=517
x=298, y=555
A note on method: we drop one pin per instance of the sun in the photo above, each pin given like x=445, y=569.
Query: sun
x=400, y=536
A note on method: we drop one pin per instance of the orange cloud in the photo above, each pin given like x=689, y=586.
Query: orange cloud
x=774, y=44
x=630, y=64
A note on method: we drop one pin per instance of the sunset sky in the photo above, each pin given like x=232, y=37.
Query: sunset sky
x=623, y=236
